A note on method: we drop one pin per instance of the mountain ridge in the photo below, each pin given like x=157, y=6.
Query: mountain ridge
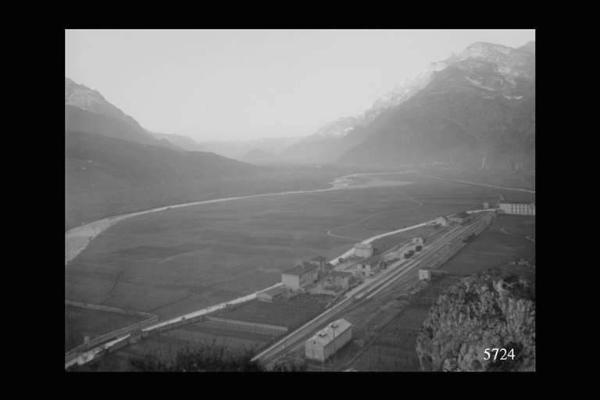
x=474, y=108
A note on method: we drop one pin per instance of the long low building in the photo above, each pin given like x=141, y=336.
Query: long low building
x=271, y=294
x=328, y=340
x=517, y=208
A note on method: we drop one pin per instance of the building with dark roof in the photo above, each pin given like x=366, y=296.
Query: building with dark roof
x=271, y=294
x=300, y=276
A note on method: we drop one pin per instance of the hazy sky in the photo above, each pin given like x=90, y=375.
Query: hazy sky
x=243, y=84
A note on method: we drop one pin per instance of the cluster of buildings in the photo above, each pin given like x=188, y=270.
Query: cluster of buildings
x=308, y=273
x=328, y=340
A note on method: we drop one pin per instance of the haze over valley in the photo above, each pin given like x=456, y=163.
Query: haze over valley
x=166, y=220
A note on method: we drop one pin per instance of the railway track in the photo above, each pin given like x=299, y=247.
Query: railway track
x=441, y=250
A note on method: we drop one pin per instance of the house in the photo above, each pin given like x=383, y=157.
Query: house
x=424, y=275
x=363, y=250
x=329, y=340
x=339, y=278
x=271, y=294
x=300, y=276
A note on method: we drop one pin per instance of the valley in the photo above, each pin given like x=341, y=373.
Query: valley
x=319, y=208
x=181, y=260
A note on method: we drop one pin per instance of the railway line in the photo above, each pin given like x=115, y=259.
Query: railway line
x=433, y=254
x=354, y=298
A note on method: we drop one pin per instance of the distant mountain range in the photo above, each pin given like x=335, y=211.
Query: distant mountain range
x=477, y=108
x=86, y=110
x=114, y=164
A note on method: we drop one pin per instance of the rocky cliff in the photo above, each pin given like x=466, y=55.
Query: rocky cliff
x=495, y=309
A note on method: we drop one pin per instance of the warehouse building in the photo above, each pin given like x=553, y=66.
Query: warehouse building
x=363, y=250
x=300, y=276
x=329, y=340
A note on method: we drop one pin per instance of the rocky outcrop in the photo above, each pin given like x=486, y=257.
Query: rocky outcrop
x=494, y=309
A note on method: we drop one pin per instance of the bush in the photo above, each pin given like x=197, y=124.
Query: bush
x=206, y=358
x=210, y=358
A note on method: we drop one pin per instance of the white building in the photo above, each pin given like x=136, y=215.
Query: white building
x=517, y=208
x=300, y=276
x=363, y=250
x=424, y=275
x=329, y=340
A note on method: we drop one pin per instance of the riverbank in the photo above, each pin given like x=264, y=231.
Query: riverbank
x=77, y=239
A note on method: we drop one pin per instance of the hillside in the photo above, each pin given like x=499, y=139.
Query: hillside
x=494, y=309
x=86, y=110
x=181, y=141
x=114, y=166
x=477, y=112
x=475, y=109
x=106, y=176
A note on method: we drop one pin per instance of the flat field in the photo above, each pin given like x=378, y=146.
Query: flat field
x=166, y=345
x=80, y=322
x=291, y=313
x=181, y=260
x=504, y=241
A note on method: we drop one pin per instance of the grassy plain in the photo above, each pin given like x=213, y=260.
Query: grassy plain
x=291, y=313
x=184, y=259
x=504, y=241
x=166, y=345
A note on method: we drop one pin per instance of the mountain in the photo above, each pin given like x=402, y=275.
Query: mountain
x=86, y=110
x=474, y=109
x=181, y=141
x=528, y=47
x=337, y=137
x=479, y=110
x=261, y=157
x=240, y=148
x=113, y=165
x=108, y=176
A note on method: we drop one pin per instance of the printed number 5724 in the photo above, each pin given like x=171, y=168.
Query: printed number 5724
x=504, y=354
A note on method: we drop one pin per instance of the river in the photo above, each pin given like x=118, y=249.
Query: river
x=77, y=239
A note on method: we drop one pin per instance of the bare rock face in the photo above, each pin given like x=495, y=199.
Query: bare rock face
x=489, y=310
